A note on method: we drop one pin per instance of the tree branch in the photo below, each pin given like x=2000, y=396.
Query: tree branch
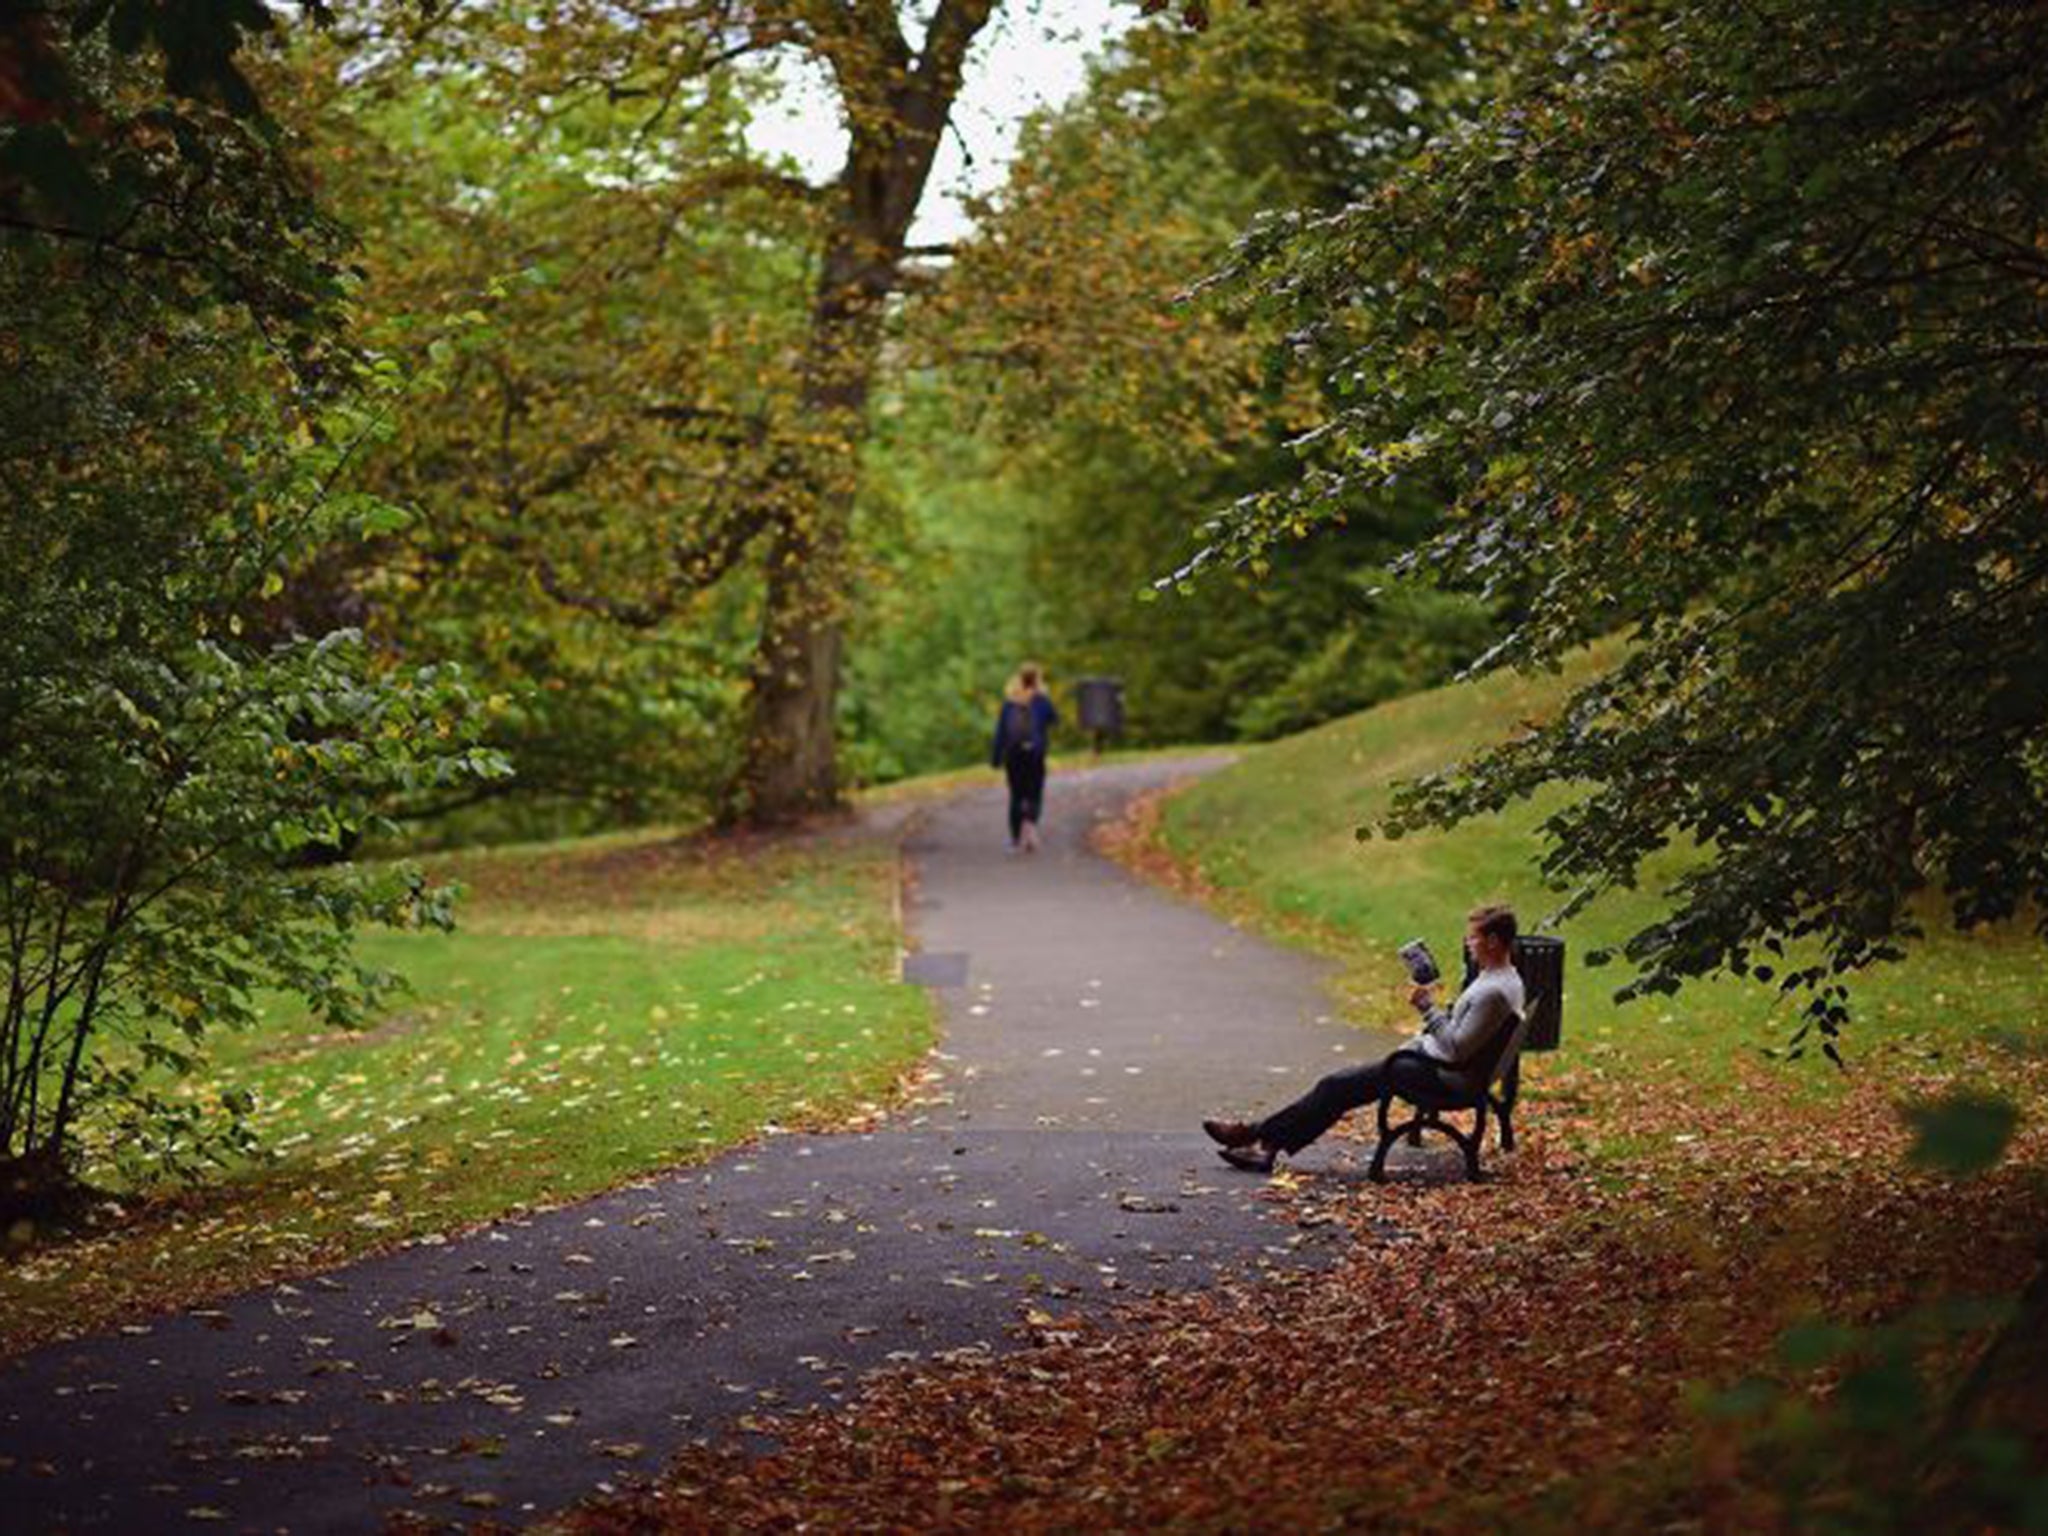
x=103, y=241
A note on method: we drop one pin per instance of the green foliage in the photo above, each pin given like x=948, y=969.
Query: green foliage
x=181, y=766
x=192, y=47
x=1878, y=1448
x=132, y=127
x=640, y=488
x=160, y=816
x=1368, y=642
x=950, y=608
x=1963, y=1133
x=177, y=781
x=1100, y=417
x=597, y=456
x=1722, y=328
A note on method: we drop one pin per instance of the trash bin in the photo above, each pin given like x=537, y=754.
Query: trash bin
x=1539, y=958
x=1100, y=701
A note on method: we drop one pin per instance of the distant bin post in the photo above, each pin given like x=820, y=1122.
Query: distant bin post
x=1102, y=708
x=1540, y=959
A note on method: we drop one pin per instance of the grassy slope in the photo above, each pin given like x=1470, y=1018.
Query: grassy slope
x=610, y=1007
x=1275, y=833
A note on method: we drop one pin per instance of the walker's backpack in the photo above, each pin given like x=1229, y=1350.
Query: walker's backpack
x=1020, y=727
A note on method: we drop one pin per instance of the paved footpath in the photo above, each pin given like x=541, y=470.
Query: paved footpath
x=1056, y=1163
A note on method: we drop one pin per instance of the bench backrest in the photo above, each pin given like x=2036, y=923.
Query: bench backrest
x=1505, y=1048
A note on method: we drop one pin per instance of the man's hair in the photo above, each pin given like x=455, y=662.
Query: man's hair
x=1496, y=920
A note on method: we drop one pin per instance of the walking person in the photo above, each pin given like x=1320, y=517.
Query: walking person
x=1024, y=725
x=1452, y=1038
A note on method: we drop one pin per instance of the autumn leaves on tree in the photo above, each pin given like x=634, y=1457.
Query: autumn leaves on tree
x=895, y=98
x=703, y=479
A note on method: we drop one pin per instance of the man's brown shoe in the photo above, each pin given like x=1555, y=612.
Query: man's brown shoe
x=1250, y=1159
x=1230, y=1133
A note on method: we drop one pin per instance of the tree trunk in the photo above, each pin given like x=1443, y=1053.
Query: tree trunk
x=897, y=105
x=792, y=747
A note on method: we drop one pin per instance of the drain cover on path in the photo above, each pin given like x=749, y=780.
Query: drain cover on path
x=946, y=968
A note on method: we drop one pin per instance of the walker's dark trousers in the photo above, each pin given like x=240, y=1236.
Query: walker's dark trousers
x=1348, y=1088
x=1026, y=772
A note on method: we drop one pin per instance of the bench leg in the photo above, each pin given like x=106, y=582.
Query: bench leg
x=1412, y=1129
x=1378, y=1172
x=1504, y=1104
x=1471, y=1144
x=1468, y=1143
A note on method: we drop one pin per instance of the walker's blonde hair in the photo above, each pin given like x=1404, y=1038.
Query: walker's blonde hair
x=1030, y=679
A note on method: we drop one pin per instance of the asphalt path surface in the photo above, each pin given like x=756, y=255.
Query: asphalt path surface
x=1054, y=1163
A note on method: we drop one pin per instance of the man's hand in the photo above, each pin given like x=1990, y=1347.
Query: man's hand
x=1423, y=997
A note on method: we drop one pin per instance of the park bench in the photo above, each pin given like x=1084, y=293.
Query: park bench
x=1413, y=1077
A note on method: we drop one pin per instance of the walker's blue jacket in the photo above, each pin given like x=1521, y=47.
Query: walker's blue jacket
x=1032, y=737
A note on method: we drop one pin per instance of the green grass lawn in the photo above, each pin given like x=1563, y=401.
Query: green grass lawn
x=1275, y=833
x=610, y=1007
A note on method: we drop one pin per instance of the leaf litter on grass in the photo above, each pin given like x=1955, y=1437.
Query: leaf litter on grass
x=527, y=1069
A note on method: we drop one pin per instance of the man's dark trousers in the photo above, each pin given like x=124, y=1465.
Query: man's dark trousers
x=1291, y=1128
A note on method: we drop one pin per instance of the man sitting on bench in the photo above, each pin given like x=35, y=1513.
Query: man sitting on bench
x=1454, y=1039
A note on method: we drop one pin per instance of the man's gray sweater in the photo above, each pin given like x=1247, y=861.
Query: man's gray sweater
x=1456, y=1036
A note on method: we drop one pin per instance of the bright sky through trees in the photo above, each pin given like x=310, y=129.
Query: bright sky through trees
x=1034, y=54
